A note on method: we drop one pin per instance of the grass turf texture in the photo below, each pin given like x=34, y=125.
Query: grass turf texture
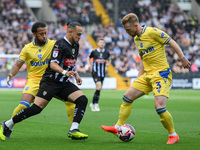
x=48, y=130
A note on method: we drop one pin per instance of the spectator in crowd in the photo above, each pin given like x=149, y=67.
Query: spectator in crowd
x=16, y=21
x=197, y=62
x=194, y=67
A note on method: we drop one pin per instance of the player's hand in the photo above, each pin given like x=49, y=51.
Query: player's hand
x=70, y=74
x=78, y=79
x=186, y=64
x=90, y=68
x=9, y=77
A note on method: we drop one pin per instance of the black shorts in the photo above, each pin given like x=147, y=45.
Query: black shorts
x=96, y=78
x=51, y=88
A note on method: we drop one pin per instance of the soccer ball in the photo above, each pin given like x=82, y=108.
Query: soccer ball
x=126, y=133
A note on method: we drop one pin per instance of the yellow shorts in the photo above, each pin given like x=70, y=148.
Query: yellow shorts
x=32, y=87
x=158, y=82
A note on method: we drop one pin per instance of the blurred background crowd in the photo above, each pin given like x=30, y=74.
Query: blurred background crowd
x=16, y=22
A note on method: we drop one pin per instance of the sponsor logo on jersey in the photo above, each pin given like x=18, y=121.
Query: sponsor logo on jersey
x=40, y=63
x=101, y=61
x=69, y=62
x=39, y=56
x=55, y=54
x=148, y=50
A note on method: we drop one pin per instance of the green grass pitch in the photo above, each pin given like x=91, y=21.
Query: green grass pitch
x=48, y=130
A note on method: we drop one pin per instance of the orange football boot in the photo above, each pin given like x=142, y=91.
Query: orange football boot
x=110, y=129
x=173, y=139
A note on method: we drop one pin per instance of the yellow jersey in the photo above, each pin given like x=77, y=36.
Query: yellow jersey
x=151, y=47
x=36, y=58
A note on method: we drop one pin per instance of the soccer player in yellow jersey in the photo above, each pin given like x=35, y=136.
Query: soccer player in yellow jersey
x=154, y=73
x=36, y=55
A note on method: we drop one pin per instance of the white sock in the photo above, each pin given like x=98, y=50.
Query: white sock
x=74, y=125
x=173, y=134
x=117, y=127
x=9, y=124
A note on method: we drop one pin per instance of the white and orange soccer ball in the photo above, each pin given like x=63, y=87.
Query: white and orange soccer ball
x=126, y=133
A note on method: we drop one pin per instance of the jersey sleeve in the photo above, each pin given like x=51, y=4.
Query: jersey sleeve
x=91, y=54
x=109, y=55
x=56, y=53
x=23, y=55
x=160, y=36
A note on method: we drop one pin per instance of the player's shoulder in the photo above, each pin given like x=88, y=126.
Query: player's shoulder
x=94, y=51
x=107, y=51
x=51, y=41
x=154, y=29
x=60, y=42
x=29, y=45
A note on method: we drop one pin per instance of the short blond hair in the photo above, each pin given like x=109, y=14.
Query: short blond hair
x=130, y=18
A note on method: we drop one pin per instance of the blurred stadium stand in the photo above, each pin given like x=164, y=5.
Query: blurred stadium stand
x=176, y=17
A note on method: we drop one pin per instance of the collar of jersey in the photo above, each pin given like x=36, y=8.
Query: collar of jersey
x=34, y=43
x=100, y=51
x=67, y=40
x=143, y=30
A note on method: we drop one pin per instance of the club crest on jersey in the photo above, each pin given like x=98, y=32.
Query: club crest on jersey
x=141, y=45
x=55, y=54
x=73, y=50
x=44, y=93
x=101, y=55
x=39, y=56
x=26, y=89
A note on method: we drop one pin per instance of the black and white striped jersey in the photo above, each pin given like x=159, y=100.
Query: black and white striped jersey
x=65, y=54
x=99, y=61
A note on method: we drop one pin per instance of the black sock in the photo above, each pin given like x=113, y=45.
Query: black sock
x=26, y=113
x=96, y=97
x=79, y=110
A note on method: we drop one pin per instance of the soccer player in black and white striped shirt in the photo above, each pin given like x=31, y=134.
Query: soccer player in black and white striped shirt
x=101, y=60
x=55, y=82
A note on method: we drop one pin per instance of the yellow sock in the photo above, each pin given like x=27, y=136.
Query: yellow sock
x=166, y=119
x=125, y=110
x=70, y=110
x=22, y=105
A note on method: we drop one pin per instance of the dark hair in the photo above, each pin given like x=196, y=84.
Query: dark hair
x=38, y=25
x=73, y=25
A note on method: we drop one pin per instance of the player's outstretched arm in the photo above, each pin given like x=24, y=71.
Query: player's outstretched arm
x=14, y=71
x=178, y=51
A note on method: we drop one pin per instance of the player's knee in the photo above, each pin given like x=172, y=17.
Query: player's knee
x=82, y=99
